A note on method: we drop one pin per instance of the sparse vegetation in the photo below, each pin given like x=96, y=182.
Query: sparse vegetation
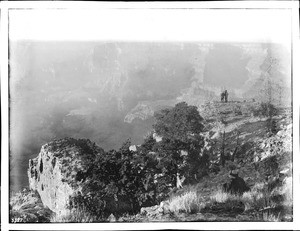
x=265, y=109
x=188, y=202
x=220, y=196
x=27, y=207
x=76, y=215
x=271, y=217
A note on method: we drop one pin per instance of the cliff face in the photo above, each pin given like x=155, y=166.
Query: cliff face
x=55, y=172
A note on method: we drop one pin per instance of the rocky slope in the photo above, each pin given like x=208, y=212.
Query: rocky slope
x=55, y=172
x=27, y=207
x=263, y=159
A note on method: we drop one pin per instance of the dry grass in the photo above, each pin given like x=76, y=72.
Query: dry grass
x=271, y=217
x=256, y=198
x=75, y=215
x=252, y=199
x=188, y=202
x=287, y=191
x=25, y=197
x=221, y=197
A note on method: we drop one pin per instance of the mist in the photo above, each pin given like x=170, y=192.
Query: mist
x=86, y=89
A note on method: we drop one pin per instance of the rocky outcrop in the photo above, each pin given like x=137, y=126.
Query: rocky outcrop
x=56, y=172
x=141, y=111
x=146, y=109
x=278, y=144
x=157, y=211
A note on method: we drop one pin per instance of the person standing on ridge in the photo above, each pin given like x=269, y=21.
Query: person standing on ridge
x=226, y=96
x=222, y=96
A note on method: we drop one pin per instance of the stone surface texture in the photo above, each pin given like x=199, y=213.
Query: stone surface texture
x=55, y=172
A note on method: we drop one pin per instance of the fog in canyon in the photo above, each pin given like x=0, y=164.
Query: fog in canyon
x=108, y=91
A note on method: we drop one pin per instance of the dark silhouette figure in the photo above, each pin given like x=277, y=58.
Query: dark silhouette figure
x=226, y=96
x=236, y=186
x=222, y=96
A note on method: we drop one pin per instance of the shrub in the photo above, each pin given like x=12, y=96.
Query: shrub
x=265, y=110
x=269, y=166
x=238, y=110
x=118, y=182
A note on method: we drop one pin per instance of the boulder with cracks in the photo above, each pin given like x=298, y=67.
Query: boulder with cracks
x=56, y=172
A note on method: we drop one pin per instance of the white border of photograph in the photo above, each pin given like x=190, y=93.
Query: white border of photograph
x=153, y=27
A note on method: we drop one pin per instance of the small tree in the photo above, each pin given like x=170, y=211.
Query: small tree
x=181, y=144
x=179, y=123
x=271, y=92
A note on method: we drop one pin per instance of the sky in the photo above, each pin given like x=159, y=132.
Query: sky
x=233, y=25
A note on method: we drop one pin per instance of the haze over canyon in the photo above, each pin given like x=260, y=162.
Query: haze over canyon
x=108, y=91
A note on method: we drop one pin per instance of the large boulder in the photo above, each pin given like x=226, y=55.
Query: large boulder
x=56, y=172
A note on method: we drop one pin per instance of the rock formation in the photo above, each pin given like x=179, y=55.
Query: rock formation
x=55, y=172
x=146, y=109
